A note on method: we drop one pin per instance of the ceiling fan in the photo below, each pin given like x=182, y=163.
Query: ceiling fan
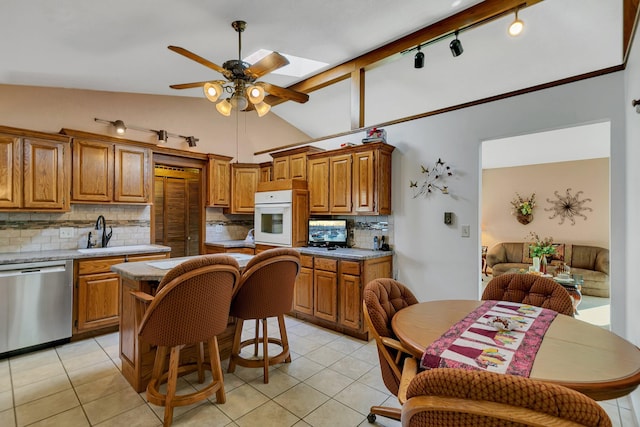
x=245, y=92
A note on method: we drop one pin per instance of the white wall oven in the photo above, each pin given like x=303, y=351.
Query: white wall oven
x=273, y=217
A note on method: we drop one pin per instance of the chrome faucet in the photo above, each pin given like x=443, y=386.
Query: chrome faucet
x=101, y=224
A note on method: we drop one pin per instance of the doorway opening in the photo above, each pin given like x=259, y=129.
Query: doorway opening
x=177, y=209
x=549, y=165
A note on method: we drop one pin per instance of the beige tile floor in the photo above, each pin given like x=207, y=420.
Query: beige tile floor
x=332, y=381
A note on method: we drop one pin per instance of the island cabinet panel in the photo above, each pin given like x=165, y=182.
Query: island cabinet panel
x=35, y=171
x=329, y=291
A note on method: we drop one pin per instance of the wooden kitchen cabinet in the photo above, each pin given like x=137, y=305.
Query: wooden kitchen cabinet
x=292, y=164
x=212, y=249
x=351, y=181
x=97, y=291
x=244, y=183
x=328, y=291
x=106, y=172
x=266, y=171
x=36, y=171
x=219, y=178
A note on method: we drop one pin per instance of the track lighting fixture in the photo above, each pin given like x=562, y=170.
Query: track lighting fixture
x=163, y=135
x=456, y=46
x=418, y=59
x=516, y=26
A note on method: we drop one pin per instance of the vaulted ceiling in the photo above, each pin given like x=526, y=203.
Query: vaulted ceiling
x=121, y=46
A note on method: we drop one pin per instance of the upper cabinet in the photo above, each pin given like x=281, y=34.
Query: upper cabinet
x=105, y=171
x=266, y=169
x=292, y=164
x=219, y=181
x=244, y=183
x=351, y=181
x=36, y=171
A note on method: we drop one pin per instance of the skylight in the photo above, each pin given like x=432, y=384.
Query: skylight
x=298, y=67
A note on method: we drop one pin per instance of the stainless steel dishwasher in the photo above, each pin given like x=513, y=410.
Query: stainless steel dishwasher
x=35, y=304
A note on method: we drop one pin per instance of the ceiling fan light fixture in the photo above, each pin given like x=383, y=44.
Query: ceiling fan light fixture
x=239, y=101
x=516, y=26
x=255, y=94
x=224, y=107
x=262, y=108
x=120, y=127
x=212, y=90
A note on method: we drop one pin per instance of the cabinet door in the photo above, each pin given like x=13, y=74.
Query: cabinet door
x=132, y=174
x=318, y=182
x=350, y=301
x=11, y=176
x=340, y=184
x=244, y=185
x=98, y=296
x=364, y=182
x=219, y=182
x=46, y=174
x=303, y=297
x=265, y=173
x=92, y=171
x=383, y=182
x=298, y=166
x=280, y=168
x=325, y=295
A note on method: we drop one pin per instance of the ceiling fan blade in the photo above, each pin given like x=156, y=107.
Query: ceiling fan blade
x=184, y=52
x=187, y=85
x=282, y=92
x=271, y=62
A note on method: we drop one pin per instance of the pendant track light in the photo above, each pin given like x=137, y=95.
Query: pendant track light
x=516, y=26
x=456, y=46
x=163, y=135
x=418, y=59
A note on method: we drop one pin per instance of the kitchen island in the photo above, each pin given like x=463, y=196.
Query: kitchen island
x=137, y=357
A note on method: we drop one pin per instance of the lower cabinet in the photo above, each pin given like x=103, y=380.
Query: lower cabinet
x=329, y=291
x=211, y=249
x=97, y=291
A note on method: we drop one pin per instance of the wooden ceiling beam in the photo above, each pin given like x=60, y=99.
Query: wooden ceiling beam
x=483, y=12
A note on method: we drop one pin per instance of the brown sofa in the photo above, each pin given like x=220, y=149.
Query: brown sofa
x=591, y=262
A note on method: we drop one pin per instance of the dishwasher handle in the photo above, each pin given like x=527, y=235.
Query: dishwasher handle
x=32, y=270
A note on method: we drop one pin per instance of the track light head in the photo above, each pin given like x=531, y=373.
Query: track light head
x=516, y=26
x=120, y=127
x=456, y=46
x=418, y=59
x=163, y=136
x=192, y=140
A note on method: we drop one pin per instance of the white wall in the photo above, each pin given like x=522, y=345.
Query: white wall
x=632, y=195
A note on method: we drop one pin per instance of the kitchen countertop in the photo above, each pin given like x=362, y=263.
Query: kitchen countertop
x=64, y=254
x=155, y=270
x=231, y=244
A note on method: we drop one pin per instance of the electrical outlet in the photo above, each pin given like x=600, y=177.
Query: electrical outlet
x=448, y=218
x=466, y=231
x=66, y=232
x=218, y=228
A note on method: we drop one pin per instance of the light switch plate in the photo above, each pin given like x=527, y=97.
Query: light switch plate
x=466, y=231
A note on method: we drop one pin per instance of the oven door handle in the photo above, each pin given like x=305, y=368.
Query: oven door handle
x=273, y=205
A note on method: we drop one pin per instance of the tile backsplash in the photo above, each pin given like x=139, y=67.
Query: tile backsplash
x=36, y=231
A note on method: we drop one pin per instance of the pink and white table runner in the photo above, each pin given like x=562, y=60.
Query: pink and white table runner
x=473, y=343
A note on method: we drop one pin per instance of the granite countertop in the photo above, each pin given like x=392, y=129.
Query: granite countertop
x=232, y=244
x=38, y=256
x=345, y=253
x=155, y=270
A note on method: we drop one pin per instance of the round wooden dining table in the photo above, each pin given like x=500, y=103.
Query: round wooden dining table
x=573, y=353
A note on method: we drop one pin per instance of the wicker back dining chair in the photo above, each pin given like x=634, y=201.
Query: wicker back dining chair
x=382, y=298
x=530, y=289
x=451, y=397
x=191, y=306
x=266, y=290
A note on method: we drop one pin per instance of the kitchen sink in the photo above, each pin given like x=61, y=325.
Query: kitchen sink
x=112, y=249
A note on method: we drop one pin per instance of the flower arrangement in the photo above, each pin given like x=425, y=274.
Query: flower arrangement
x=541, y=247
x=524, y=206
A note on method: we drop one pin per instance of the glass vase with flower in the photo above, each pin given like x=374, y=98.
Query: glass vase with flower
x=541, y=249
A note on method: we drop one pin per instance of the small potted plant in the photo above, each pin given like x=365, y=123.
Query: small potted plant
x=523, y=208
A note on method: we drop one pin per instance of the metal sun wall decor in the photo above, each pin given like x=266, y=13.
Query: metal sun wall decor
x=568, y=207
x=433, y=179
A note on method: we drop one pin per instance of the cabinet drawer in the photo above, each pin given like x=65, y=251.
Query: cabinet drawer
x=306, y=261
x=247, y=251
x=146, y=257
x=326, y=264
x=350, y=267
x=98, y=265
